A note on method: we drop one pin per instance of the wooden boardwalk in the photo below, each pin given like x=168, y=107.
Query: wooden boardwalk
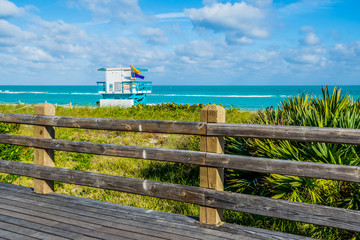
x=28, y=215
x=33, y=214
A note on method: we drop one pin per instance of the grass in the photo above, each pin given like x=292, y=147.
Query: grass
x=184, y=174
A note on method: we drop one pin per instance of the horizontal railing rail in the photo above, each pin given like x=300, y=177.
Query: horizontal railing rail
x=291, y=133
x=238, y=162
x=133, y=125
x=295, y=211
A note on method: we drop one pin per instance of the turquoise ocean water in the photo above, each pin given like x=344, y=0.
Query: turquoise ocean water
x=245, y=97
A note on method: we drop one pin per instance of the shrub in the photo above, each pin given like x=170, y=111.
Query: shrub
x=329, y=110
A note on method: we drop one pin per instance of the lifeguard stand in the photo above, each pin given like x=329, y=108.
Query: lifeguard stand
x=121, y=87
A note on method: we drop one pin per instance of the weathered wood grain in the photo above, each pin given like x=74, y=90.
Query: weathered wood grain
x=36, y=230
x=44, y=156
x=5, y=233
x=254, y=164
x=62, y=230
x=187, y=225
x=286, y=167
x=119, y=214
x=118, y=226
x=173, y=223
x=294, y=133
x=83, y=227
x=302, y=212
x=133, y=125
x=212, y=177
x=25, y=232
x=160, y=154
x=255, y=232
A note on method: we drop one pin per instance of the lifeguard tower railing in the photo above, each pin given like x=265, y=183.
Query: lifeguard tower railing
x=101, y=87
x=127, y=87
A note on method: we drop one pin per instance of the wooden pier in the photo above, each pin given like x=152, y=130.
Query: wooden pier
x=41, y=214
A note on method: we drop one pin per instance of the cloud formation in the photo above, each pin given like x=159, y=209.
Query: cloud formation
x=113, y=10
x=153, y=35
x=303, y=7
x=241, y=22
x=9, y=9
x=219, y=40
x=310, y=37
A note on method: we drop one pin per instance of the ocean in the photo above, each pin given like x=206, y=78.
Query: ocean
x=244, y=97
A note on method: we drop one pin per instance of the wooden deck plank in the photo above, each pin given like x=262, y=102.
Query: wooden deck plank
x=6, y=233
x=258, y=232
x=80, y=228
x=24, y=203
x=126, y=219
x=30, y=229
x=191, y=229
x=64, y=231
x=71, y=217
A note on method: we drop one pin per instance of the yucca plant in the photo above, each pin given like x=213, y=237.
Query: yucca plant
x=331, y=109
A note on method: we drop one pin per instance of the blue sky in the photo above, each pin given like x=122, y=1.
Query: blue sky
x=209, y=42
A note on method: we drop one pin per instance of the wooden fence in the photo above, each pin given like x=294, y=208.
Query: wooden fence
x=211, y=159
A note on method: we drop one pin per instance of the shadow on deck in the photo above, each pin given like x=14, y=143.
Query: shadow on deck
x=28, y=215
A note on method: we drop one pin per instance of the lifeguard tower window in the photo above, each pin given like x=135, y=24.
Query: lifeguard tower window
x=118, y=87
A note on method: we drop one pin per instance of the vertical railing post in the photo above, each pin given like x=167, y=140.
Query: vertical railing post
x=211, y=177
x=44, y=157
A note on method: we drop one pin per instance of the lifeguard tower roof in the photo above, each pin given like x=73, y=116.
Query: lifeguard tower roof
x=122, y=69
x=123, y=86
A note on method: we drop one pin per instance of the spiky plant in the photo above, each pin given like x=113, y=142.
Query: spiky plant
x=328, y=110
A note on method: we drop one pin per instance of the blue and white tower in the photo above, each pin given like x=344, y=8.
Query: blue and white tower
x=123, y=87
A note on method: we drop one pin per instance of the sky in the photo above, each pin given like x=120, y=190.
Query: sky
x=181, y=42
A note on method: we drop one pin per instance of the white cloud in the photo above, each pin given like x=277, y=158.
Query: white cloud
x=224, y=16
x=310, y=37
x=262, y=57
x=61, y=39
x=306, y=29
x=195, y=50
x=113, y=10
x=238, y=19
x=261, y=3
x=159, y=69
x=11, y=35
x=305, y=59
x=209, y=2
x=153, y=35
x=35, y=54
x=9, y=9
x=304, y=6
x=233, y=39
x=171, y=15
x=346, y=54
x=308, y=58
x=9, y=30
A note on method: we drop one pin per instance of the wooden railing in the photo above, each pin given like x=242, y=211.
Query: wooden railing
x=209, y=199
